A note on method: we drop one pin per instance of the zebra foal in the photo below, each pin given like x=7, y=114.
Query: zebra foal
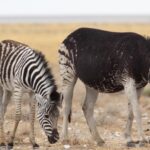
x=23, y=69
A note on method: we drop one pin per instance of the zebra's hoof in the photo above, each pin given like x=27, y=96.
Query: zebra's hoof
x=136, y=144
x=35, y=146
x=2, y=146
x=10, y=146
x=131, y=144
x=140, y=143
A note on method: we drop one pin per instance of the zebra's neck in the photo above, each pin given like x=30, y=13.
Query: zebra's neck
x=38, y=75
x=41, y=80
x=45, y=87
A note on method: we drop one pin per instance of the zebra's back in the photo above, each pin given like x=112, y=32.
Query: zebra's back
x=24, y=65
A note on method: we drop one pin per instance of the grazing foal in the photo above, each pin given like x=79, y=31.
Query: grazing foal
x=105, y=62
x=25, y=70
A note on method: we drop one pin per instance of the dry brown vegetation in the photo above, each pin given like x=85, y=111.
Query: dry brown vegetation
x=110, y=111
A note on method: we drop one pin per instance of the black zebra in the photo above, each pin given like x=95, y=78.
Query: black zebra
x=105, y=62
x=23, y=69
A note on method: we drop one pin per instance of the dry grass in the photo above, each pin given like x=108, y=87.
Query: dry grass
x=111, y=110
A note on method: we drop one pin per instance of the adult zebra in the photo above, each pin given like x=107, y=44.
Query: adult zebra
x=105, y=62
x=23, y=69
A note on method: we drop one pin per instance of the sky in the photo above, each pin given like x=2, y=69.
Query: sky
x=73, y=7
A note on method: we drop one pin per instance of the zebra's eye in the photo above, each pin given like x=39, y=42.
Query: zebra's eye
x=38, y=104
x=47, y=116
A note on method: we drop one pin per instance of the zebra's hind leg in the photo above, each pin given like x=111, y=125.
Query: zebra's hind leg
x=2, y=138
x=130, y=142
x=88, y=109
x=69, y=79
x=17, y=97
x=67, y=104
x=127, y=134
x=32, y=119
x=132, y=95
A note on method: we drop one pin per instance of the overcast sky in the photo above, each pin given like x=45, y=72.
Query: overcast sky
x=74, y=7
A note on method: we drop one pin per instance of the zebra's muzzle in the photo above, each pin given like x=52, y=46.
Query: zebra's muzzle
x=54, y=137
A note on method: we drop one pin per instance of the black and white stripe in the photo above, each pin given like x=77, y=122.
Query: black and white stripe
x=23, y=69
x=47, y=114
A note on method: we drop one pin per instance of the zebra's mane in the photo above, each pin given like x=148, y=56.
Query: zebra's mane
x=15, y=43
x=148, y=40
x=46, y=66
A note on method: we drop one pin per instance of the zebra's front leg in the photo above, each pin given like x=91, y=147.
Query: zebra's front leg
x=17, y=97
x=88, y=109
x=4, y=100
x=2, y=137
x=32, y=120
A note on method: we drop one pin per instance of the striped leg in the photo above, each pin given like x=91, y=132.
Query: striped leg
x=2, y=138
x=88, y=108
x=17, y=97
x=6, y=99
x=132, y=94
x=3, y=106
x=32, y=120
x=130, y=143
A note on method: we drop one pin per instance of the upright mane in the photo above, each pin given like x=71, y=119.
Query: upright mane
x=46, y=66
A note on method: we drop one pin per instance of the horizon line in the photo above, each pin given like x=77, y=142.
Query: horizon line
x=75, y=18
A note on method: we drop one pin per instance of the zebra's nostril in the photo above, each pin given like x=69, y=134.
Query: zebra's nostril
x=54, y=137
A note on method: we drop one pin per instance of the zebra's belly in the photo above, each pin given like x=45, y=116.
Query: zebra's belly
x=6, y=86
x=110, y=86
x=105, y=87
x=10, y=87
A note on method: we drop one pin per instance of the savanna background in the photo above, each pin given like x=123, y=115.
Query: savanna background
x=110, y=110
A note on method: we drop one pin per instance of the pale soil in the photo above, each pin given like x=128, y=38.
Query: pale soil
x=110, y=113
x=110, y=110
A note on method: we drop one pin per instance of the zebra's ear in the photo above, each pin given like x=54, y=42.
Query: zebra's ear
x=56, y=97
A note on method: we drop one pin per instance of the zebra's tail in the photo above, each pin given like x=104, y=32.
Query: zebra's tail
x=69, y=116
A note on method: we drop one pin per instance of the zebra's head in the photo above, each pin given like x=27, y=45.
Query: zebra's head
x=48, y=113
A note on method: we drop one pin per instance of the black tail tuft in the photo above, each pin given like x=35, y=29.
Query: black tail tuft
x=69, y=116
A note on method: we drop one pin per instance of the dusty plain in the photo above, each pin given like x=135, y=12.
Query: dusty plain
x=110, y=110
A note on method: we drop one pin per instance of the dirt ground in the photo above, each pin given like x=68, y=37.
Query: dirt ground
x=110, y=114
x=110, y=110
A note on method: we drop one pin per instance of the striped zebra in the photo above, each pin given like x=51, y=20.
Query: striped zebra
x=105, y=62
x=22, y=70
